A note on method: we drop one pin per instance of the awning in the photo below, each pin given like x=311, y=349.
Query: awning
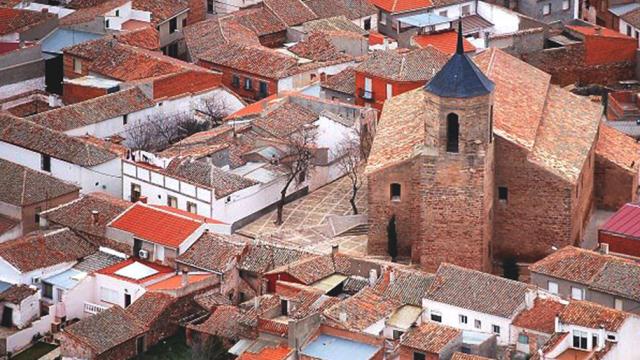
x=422, y=20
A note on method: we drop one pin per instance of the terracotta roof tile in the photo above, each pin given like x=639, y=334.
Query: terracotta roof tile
x=19, y=20
x=176, y=282
x=541, y=317
x=261, y=258
x=149, y=307
x=156, y=225
x=161, y=10
x=211, y=252
x=462, y=356
x=94, y=110
x=7, y=223
x=16, y=293
x=205, y=35
x=445, y=42
x=344, y=82
x=477, y=291
x=43, y=249
x=618, y=148
x=317, y=46
x=285, y=119
x=291, y=12
x=260, y=20
x=188, y=82
x=431, y=337
x=351, y=9
x=403, y=65
x=571, y=264
x=87, y=13
x=22, y=186
x=253, y=59
x=34, y=137
x=632, y=17
x=223, y=322
x=591, y=315
x=106, y=330
x=147, y=38
x=77, y=215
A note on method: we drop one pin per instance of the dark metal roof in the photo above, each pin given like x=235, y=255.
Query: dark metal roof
x=460, y=77
x=625, y=221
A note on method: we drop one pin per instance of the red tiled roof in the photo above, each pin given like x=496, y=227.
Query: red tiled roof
x=253, y=109
x=444, y=41
x=431, y=337
x=593, y=316
x=462, y=356
x=572, y=264
x=18, y=20
x=541, y=317
x=291, y=12
x=161, y=10
x=7, y=223
x=147, y=38
x=397, y=6
x=156, y=225
x=111, y=270
x=591, y=30
x=618, y=148
x=281, y=352
x=175, y=282
x=188, y=82
x=625, y=221
x=223, y=322
x=87, y=14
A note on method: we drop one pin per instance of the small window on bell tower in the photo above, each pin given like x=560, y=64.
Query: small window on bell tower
x=453, y=133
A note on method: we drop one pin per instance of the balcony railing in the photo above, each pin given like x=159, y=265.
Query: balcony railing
x=366, y=94
x=93, y=309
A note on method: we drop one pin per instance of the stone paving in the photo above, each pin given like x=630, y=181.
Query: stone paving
x=304, y=218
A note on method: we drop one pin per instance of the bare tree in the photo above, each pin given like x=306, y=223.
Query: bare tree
x=349, y=154
x=159, y=131
x=213, y=109
x=297, y=161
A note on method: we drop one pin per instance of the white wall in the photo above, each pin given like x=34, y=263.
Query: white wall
x=23, y=338
x=455, y=11
x=623, y=29
x=120, y=286
x=374, y=22
x=11, y=275
x=450, y=317
x=74, y=299
x=107, y=175
x=504, y=20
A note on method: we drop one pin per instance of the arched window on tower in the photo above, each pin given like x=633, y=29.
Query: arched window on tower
x=453, y=133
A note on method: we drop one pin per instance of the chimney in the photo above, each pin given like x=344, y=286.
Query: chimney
x=185, y=279
x=392, y=276
x=557, y=323
x=373, y=277
x=45, y=10
x=334, y=249
x=143, y=199
x=343, y=317
x=95, y=216
x=256, y=302
x=604, y=248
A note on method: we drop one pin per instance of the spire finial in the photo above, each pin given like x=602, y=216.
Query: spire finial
x=460, y=46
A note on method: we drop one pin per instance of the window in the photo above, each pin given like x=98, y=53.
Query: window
x=552, y=287
x=108, y=295
x=235, y=81
x=453, y=133
x=637, y=34
x=383, y=18
x=628, y=31
x=192, y=207
x=618, y=304
x=367, y=24
x=463, y=319
x=77, y=66
x=263, y=88
x=36, y=219
x=125, y=118
x=140, y=345
x=172, y=201
x=466, y=10
x=210, y=7
x=136, y=192
x=173, y=25
x=565, y=4
x=478, y=324
x=443, y=13
x=106, y=23
x=184, y=22
x=419, y=356
x=248, y=84
x=577, y=293
x=47, y=290
x=503, y=193
x=546, y=9
x=611, y=337
x=523, y=339
x=117, y=13
x=389, y=91
x=397, y=334
x=579, y=339
x=594, y=341
x=396, y=192
x=495, y=329
x=436, y=316
x=45, y=163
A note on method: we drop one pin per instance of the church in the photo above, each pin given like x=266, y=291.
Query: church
x=488, y=162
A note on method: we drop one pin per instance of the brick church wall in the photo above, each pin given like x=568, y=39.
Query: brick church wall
x=537, y=212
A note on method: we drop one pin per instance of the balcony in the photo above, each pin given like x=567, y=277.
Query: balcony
x=93, y=309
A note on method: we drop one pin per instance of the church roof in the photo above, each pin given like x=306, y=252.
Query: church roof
x=460, y=77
